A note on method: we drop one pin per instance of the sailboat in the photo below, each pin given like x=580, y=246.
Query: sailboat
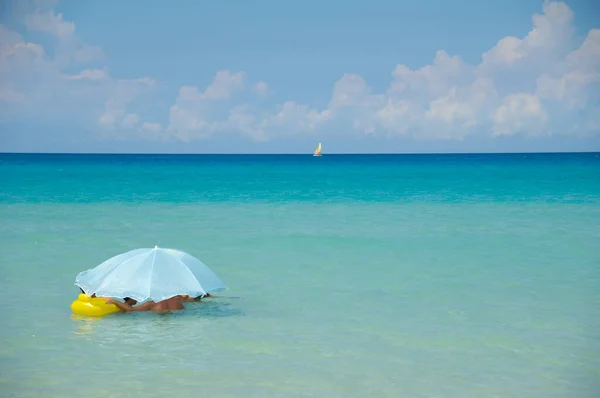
x=318, y=151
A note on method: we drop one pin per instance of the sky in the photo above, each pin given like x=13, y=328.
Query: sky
x=265, y=76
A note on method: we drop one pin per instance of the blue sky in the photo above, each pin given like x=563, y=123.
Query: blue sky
x=271, y=76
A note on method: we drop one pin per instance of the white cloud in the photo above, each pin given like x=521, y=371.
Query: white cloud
x=192, y=116
x=588, y=55
x=448, y=110
x=23, y=67
x=50, y=22
x=396, y=116
x=121, y=93
x=519, y=113
x=114, y=112
x=148, y=81
x=151, y=127
x=297, y=117
x=29, y=74
x=9, y=95
x=187, y=125
x=261, y=89
x=548, y=40
x=240, y=118
x=70, y=47
x=130, y=121
x=189, y=117
x=12, y=45
x=576, y=74
x=151, y=131
x=223, y=86
x=351, y=90
x=89, y=74
x=506, y=52
x=432, y=80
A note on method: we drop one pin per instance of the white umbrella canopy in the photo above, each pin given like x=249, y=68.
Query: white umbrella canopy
x=149, y=273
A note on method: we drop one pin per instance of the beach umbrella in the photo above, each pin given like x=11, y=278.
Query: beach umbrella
x=149, y=273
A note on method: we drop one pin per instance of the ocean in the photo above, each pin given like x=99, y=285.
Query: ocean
x=451, y=276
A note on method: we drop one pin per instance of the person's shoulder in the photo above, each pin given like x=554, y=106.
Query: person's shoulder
x=147, y=304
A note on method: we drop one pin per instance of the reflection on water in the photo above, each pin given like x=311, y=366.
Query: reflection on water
x=216, y=309
x=84, y=325
x=150, y=325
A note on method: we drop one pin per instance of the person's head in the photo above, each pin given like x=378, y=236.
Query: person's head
x=92, y=296
x=130, y=301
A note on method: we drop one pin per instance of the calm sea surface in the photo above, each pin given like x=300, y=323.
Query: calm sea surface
x=451, y=276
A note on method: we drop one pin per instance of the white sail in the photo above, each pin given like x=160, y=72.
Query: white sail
x=318, y=150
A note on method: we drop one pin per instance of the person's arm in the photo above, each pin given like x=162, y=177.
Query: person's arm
x=122, y=306
x=199, y=298
x=126, y=307
x=212, y=296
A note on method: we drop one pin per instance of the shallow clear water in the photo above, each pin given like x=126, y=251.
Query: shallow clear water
x=384, y=276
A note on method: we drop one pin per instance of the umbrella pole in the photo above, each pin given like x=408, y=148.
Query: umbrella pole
x=225, y=297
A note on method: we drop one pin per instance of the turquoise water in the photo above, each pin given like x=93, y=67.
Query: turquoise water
x=380, y=276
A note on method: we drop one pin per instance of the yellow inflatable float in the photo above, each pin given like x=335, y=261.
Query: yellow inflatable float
x=85, y=305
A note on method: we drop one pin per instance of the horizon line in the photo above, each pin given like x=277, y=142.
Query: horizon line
x=296, y=153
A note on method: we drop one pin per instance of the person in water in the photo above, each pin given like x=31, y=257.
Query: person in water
x=170, y=304
x=92, y=296
x=186, y=298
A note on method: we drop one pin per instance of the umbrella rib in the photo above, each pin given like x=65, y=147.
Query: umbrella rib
x=110, y=272
x=115, y=268
x=151, y=274
x=189, y=271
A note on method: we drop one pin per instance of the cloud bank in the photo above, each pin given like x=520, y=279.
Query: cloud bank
x=546, y=83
